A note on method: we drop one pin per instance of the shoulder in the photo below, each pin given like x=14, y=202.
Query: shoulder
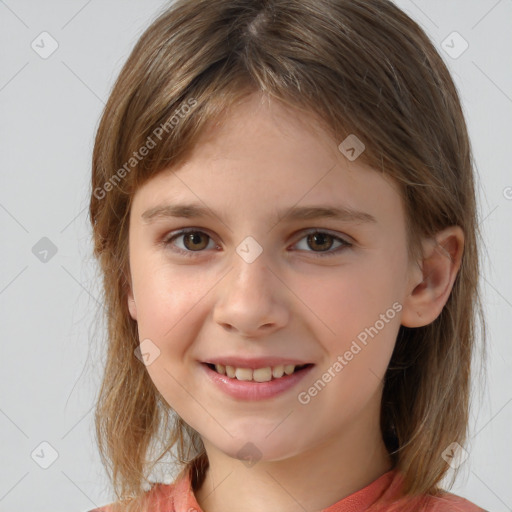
x=448, y=502
x=440, y=501
x=158, y=497
x=104, y=508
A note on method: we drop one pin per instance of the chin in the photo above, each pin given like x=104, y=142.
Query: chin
x=252, y=448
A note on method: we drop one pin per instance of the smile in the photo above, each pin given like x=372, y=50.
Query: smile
x=265, y=374
x=244, y=385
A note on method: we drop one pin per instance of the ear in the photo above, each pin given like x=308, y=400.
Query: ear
x=132, y=307
x=430, y=285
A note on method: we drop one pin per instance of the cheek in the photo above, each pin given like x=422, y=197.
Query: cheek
x=169, y=306
x=166, y=301
x=348, y=299
x=359, y=312
x=363, y=318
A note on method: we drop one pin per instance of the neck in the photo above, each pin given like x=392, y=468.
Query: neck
x=314, y=479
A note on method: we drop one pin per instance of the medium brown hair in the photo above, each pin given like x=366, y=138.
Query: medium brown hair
x=361, y=67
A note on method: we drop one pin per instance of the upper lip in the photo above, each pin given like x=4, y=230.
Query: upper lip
x=253, y=363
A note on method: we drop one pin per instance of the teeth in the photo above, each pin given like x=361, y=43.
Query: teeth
x=243, y=374
x=288, y=369
x=262, y=374
x=258, y=375
x=278, y=371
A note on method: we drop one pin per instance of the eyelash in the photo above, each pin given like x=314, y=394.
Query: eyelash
x=168, y=241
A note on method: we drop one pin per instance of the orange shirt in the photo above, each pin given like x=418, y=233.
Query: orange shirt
x=179, y=497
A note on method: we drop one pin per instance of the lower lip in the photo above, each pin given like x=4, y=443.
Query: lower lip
x=251, y=390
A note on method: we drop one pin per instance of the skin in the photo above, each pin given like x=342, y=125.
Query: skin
x=288, y=302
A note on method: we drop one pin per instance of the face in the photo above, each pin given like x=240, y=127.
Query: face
x=256, y=280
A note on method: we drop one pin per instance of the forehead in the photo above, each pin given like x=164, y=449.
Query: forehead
x=267, y=158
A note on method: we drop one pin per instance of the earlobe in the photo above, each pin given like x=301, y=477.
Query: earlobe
x=130, y=299
x=431, y=284
x=132, y=307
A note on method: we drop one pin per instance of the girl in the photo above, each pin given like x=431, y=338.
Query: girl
x=283, y=209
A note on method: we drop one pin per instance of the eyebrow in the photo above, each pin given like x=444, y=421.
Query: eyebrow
x=196, y=211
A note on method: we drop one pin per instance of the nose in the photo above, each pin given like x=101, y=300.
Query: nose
x=251, y=299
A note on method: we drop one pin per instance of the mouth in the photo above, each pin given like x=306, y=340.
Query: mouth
x=265, y=374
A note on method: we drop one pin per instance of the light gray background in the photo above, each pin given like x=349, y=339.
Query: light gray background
x=50, y=359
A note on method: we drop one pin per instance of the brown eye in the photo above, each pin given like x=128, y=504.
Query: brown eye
x=188, y=242
x=192, y=241
x=320, y=241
